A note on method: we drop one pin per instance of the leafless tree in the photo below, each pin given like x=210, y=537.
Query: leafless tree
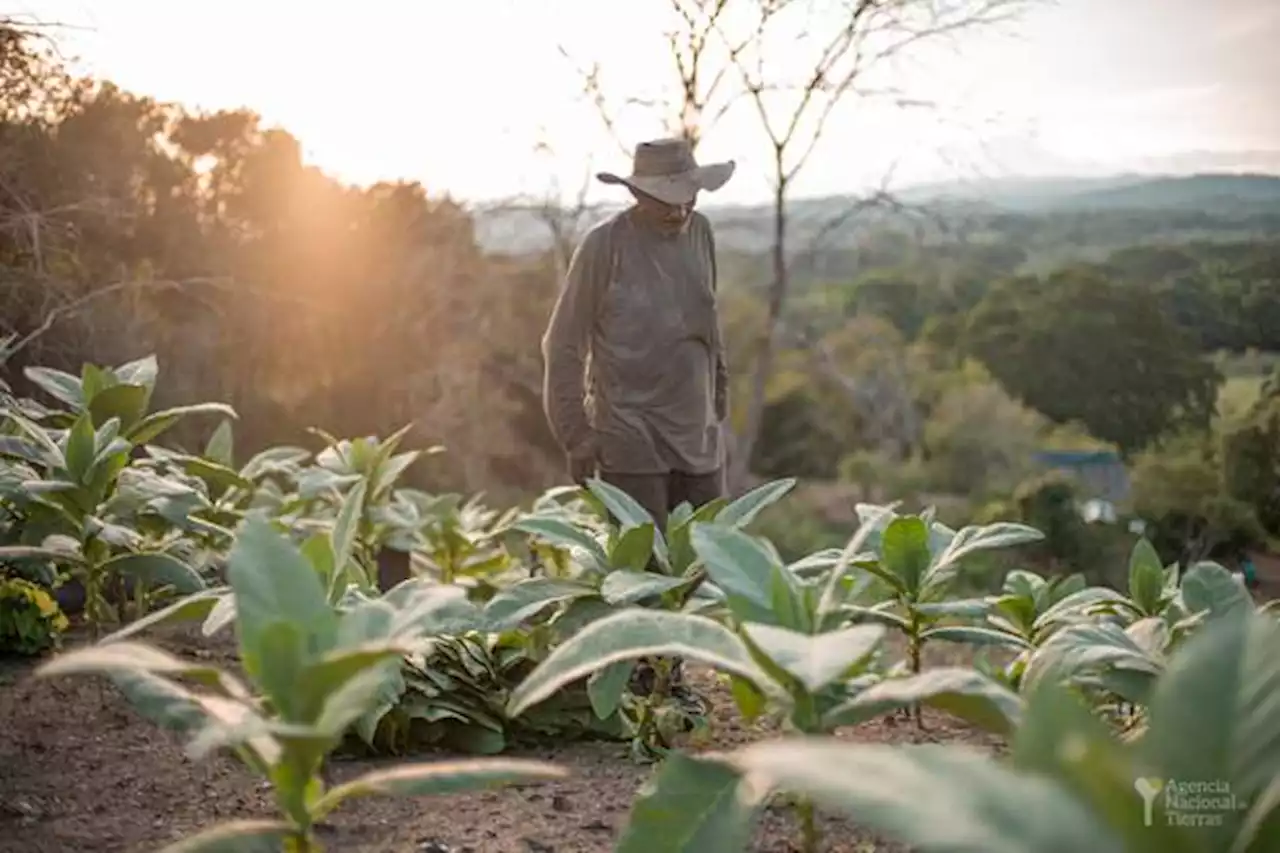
x=564, y=214
x=792, y=63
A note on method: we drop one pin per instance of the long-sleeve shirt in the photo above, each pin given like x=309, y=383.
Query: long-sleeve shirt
x=633, y=352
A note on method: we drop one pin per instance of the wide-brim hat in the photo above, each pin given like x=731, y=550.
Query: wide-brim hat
x=667, y=170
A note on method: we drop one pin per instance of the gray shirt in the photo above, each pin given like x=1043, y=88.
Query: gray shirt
x=633, y=352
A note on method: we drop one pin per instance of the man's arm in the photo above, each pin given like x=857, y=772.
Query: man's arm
x=567, y=342
x=722, y=369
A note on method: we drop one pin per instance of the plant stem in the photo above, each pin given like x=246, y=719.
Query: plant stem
x=913, y=651
x=810, y=837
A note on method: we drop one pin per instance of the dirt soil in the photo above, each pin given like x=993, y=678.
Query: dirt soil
x=80, y=771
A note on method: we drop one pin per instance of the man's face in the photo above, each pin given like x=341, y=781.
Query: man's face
x=668, y=218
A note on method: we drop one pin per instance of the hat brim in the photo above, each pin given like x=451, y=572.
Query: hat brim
x=681, y=188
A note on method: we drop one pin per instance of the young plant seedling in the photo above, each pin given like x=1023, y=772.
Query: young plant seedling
x=1069, y=784
x=784, y=651
x=317, y=671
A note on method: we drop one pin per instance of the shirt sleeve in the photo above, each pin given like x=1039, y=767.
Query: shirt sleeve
x=567, y=342
x=721, y=367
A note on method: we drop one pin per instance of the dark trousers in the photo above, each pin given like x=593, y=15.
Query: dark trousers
x=661, y=493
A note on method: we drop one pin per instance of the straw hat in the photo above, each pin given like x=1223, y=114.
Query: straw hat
x=666, y=170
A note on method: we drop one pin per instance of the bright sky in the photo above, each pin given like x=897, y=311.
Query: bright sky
x=455, y=93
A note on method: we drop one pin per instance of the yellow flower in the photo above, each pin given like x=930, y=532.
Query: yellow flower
x=48, y=607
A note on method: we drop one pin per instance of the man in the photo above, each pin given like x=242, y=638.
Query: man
x=636, y=389
x=635, y=384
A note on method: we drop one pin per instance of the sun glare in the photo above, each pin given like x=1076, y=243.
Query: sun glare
x=437, y=91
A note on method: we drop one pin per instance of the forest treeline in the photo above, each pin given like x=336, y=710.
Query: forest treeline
x=909, y=367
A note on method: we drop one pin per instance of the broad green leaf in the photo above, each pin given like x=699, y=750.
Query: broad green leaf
x=629, y=587
x=349, y=699
x=681, y=554
x=40, y=436
x=242, y=836
x=222, y=615
x=626, y=510
x=191, y=608
x=281, y=656
x=740, y=567
x=274, y=460
x=142, y=371
x=793, y=604
x=816, y=563
x=1077, y=605
x=932, y=798
x=235, y=725
x=744, y=510
x=221, y=446
x=962, y=692
x=13, y=553
x=562, y=534
x=274, y=584
x=1085, y=648
x=1023, y=584
x=164, y=703
x=1146, y=577
x=516, y=604
x=157, y=423
x=1210, y=587
x=968, y=608
x=126, y=656
x=692, y=805
x=880, y=614
x=444, y=777
x=629, y=513
x=1061, y=738
x=58, y=384
x=345, y=528
x=322, y=679
x=750, y=700
x=155, y=569
x=634, y=548
x=869, y=533
x=126, y=402
x=1019, y=609
x=605, y=687
x=904, y=551
x=318, y=551
x=1260, y=829
x=815, y=660
x=974, y=636
x=79, y=449
x=629, y=635
x=970, y=540
x=1215, y=716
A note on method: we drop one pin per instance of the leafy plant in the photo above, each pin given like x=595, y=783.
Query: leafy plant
x=30, y=620
x=1069, y=783
x=317, y=671
x=72, y=485
x=916, y=561
x=786, y=646
x=1115, y=652
x=619, y=559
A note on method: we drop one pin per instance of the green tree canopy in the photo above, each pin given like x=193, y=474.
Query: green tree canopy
x=1076, y=346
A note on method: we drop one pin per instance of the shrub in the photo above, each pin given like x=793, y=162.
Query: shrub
x=30, y=620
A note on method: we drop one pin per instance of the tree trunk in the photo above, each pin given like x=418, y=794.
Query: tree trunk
x=741, y=467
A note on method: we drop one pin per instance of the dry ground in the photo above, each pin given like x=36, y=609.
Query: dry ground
x=80, y=771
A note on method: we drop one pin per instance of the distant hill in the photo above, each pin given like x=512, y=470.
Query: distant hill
x=1227, y=197
x=1208, y=193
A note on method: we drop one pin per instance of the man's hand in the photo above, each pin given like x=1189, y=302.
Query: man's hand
x=581, y=470
x=583, y=462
